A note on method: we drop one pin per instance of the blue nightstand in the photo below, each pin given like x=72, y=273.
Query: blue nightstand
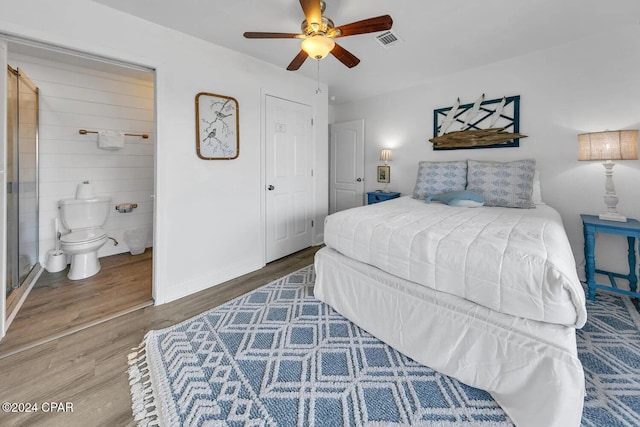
x=631, y=229
x=379, y=196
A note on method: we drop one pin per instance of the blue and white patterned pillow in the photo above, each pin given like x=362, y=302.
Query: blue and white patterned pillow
x=440, y=177
x=508, y=184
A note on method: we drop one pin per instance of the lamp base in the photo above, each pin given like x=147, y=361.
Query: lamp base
x=613, y=217
x=610, y=197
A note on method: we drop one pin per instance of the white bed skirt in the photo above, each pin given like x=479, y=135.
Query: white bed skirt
x=530, y=368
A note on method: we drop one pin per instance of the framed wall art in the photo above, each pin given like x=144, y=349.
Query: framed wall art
x=384, y=173
x=489, y=123
x=217, y=128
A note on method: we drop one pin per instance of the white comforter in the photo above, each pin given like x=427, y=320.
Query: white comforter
x=514, y=261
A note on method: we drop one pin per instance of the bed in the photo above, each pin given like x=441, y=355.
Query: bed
x=488, y=295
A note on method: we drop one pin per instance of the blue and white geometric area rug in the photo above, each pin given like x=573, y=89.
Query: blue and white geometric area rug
x=279, y=357
x=609, y=349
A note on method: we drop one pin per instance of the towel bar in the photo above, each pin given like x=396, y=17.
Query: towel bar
x=143, y=135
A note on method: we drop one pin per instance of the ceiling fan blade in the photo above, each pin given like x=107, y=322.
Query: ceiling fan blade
x=258, y=35
x=298, y=61
x=371, y=25
x=312, y=11
x=344, y=56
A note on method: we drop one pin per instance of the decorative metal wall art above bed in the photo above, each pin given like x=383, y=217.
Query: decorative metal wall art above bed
x=217, y=129
x=484, y=124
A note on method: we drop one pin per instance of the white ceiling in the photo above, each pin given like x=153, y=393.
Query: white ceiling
x=439, y=37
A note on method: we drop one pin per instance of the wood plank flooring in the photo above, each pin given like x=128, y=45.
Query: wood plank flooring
x=57, y=305
x=89, y=368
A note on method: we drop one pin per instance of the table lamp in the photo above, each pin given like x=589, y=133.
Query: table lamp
x=609, y=146
x=384, y=174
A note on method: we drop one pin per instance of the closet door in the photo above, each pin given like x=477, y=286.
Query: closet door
x=346, y=166
x=289, y=184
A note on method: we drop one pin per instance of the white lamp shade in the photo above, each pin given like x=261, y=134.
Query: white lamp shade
x=318, y=46
x=608, y=145
x=385, y=155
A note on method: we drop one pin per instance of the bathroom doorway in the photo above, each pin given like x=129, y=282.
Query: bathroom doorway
x=80, y=96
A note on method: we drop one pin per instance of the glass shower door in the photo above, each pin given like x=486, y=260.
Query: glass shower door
x=22, y=181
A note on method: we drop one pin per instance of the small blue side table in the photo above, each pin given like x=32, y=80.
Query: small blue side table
x=379, y=196
x=631, y=229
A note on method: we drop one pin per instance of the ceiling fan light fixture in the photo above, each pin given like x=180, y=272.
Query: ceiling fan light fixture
x=318, y=46
x=318, y=33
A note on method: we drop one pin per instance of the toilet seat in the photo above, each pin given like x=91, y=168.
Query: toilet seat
x=82, y=237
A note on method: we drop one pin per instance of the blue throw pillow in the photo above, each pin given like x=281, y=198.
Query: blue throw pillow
x=465, y=198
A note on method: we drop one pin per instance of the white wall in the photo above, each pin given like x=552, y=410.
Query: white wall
x=209, y=214
x=588, y=85
x=74, y=98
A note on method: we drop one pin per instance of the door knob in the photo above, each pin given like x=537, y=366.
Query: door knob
x=359, y=179
x=271, y=188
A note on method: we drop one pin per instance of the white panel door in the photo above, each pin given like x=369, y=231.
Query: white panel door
x=346, y=163
x=288, y=178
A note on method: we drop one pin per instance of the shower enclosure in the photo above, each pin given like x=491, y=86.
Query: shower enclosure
x=22, y=187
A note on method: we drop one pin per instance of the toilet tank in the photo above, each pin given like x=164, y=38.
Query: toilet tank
x=84, y=213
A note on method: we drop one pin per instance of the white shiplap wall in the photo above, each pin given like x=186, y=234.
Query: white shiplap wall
x=73, y=98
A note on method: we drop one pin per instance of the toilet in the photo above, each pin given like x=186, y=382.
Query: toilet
x=85, y=218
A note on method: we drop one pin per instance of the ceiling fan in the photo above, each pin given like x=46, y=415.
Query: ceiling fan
x=318, y=33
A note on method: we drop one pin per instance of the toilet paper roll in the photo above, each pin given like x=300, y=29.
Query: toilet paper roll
x=84, y=191
x=125, y=207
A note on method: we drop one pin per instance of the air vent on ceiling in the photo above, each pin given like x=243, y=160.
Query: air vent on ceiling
x=388, y=39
